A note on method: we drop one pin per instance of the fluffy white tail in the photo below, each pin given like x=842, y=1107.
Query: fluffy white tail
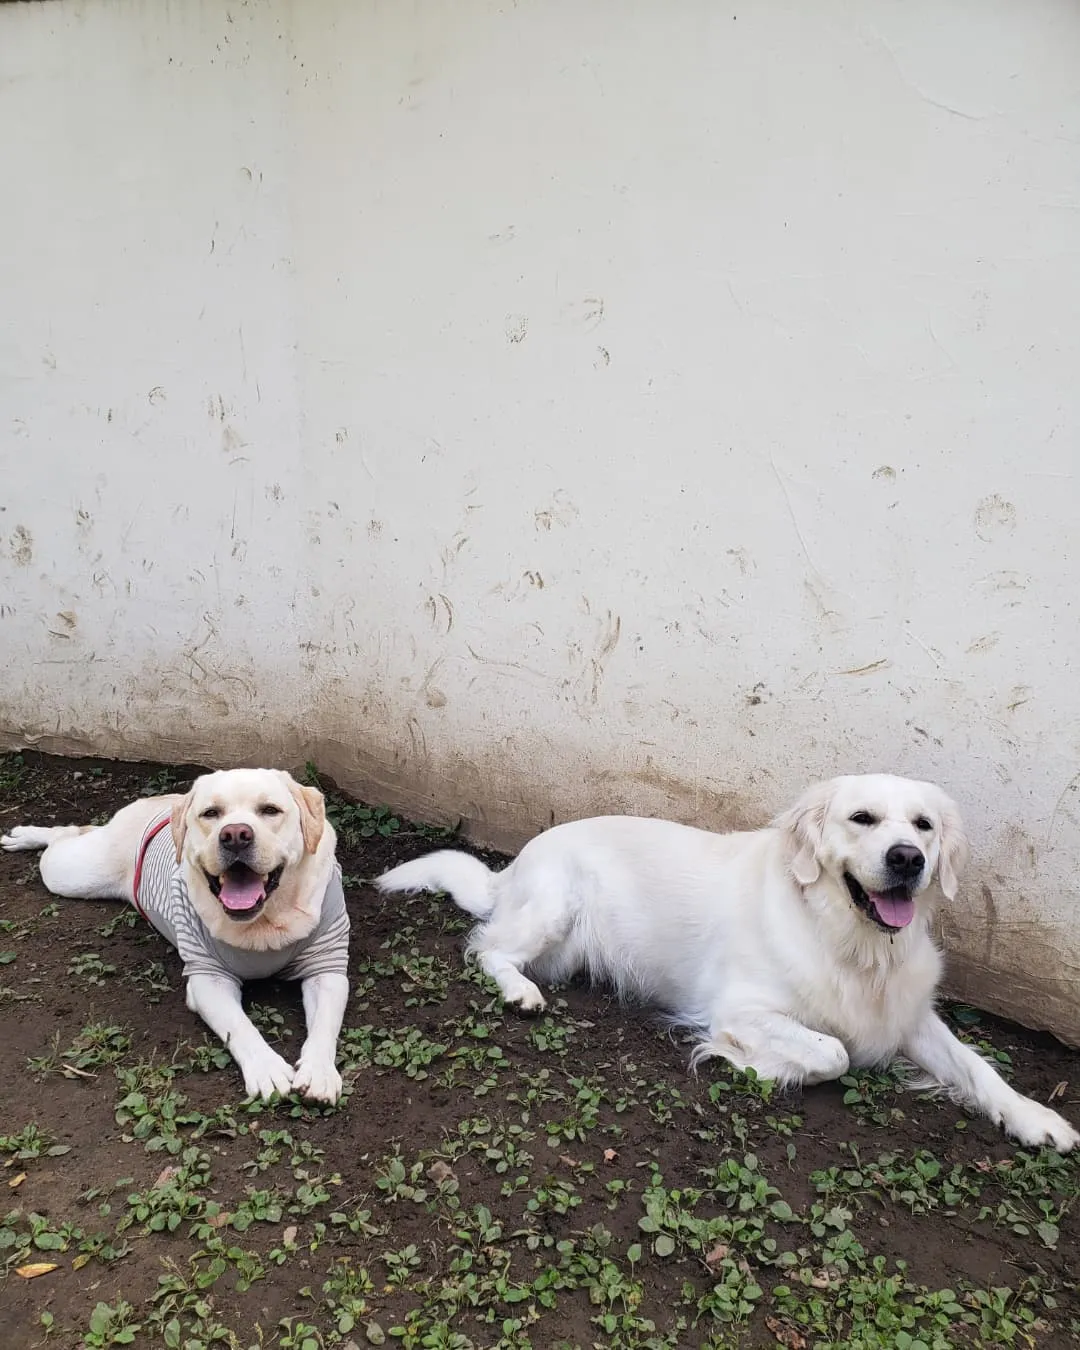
x=462, y=876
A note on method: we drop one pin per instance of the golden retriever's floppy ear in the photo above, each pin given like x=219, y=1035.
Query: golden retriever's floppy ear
x=179, y=823
x=954, y=848
x=805, y=823
x=312, y=806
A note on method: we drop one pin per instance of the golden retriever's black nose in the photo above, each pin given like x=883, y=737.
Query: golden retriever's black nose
x=236, y=837
x=905, y=860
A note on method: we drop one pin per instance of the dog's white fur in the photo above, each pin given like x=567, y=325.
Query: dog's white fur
x=90, y=862
x=751, y=938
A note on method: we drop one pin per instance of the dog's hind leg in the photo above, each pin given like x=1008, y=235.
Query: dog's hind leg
x=71, y=864
x=505, y=969
x=521, y=933
x=78, y=863
x=26, y=838
x=88, y=862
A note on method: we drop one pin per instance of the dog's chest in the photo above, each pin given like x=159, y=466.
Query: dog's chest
x=872, y=1010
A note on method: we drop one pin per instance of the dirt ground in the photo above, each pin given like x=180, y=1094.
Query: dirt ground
x=488, y=1181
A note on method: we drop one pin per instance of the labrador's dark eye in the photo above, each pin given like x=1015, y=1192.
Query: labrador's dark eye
x=269, y=809
x=211, y=813
x=922, y=823
x=862, y=818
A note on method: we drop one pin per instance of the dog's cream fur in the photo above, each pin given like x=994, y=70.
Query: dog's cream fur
x=752, y=938
x=291, y=832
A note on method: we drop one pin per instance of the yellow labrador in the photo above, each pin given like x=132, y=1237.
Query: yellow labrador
x=797, y=950
x=240, y=875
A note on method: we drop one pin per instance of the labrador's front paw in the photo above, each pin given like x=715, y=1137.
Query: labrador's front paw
x=317, y=1079
x=265, y=1073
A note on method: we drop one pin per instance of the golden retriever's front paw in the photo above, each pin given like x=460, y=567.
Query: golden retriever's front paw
x=317, y=1079
x=1038, y=1127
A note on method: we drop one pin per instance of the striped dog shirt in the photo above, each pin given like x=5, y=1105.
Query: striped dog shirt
x=160, y=894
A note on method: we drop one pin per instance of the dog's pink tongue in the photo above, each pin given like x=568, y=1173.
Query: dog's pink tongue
x=243, y=891
x=893, y=907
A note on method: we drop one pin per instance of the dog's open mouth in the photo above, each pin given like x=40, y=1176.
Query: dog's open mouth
x=243, y=892
x=891, y=909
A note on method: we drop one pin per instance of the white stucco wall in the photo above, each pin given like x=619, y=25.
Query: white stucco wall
x=531, y=410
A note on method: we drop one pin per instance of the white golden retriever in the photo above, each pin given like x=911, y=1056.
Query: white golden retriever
x=797, y=950
x=240, y=876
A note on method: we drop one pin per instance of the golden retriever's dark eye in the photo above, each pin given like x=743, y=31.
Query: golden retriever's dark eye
x=211, y=813
x=269, y=809
x=862, y=818
x=921, y=823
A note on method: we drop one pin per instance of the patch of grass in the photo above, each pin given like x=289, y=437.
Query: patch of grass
x=95, y=1047
x=403, y=1048
x=152, y=981
x=271, y=1022
x=356, y=821
x=872, y=1095
x=30, y=1143
x=127, y=917
x=27, y=1237
x=111, y=1324
x=164, y=782
x=90, y=966
x=12, y=773
x=353, y=821
x=175, y=1197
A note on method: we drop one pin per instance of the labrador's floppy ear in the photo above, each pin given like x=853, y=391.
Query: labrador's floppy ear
x=178, y=822
x=312, y=806
x=804, y=824
x=954, y=848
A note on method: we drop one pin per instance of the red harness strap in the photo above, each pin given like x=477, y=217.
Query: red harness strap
x=150, y=834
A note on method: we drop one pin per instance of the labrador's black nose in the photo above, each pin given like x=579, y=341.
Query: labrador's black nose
x=905, y=860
